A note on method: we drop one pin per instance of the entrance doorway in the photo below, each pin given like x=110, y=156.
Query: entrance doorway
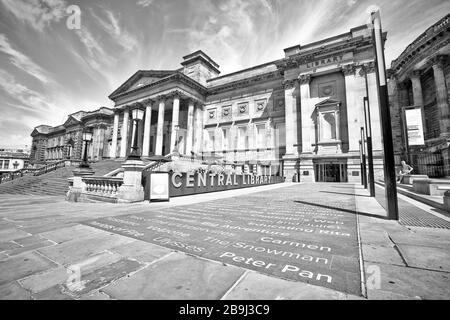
x=331, y=172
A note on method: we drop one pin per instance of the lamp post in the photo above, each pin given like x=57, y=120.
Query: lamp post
x=175, y=147
x=363, y=151
x=385, y=117
x=87, y=137
x=371, y=175
x=137, y=115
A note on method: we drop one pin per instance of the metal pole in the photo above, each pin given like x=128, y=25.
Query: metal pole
x=385, y=117
x=363, y=148
x=369, y=140
x=361, y=162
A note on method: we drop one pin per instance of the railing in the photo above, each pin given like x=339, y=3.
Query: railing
x=50, y=167
x=102, y=186
x=431, y=164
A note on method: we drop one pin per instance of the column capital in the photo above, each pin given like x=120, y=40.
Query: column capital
x=290, y=84
x=415, y=74
x=365, y=68
x=304, y=78
x=349, y=69
x=439, y=61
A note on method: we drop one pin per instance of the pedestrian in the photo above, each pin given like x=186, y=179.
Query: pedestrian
x=405, y=170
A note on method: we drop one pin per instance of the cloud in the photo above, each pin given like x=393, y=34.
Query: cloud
x=37, y=13
x=22, y=61
x=145, y=3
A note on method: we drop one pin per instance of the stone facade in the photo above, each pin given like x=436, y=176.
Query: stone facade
x=299, y=116
x=65, y=142
x=420, y=78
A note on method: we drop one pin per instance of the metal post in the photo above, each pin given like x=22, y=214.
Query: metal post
x=369, y=143
x=389, y=164
x=361, y=162
x=363, y=149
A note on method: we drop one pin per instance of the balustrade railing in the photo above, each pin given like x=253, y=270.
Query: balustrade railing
x=49, y=167
x=102, y=186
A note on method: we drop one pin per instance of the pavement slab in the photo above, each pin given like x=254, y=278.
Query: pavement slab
x=256, y=286
x=412, y=282
x=382, y=254
x=77, y=250
x=13, y=291
x=177, y=276
x=23, y=265
x=426, y=257
x=71, y=233
x=12, y=234
x=141, y=251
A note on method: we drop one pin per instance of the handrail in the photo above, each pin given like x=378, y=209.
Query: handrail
x=50, y=167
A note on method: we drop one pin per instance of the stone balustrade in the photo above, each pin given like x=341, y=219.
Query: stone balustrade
x=102, y=186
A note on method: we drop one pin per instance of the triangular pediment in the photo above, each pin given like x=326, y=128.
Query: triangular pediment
x=141, y=79
x=328, y=102
x=71, y=121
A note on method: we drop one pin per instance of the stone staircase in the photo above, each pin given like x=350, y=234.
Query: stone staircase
x=55, y=182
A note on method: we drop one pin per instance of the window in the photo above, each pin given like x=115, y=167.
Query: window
x=242, y=138
x=6, y=164
x=210, y=141
x=261, y=136
x=226, y=138
x=327, y=126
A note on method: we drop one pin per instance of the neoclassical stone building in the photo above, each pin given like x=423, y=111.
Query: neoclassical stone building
x=420, y=78
x=65, y=142
x=300, y=115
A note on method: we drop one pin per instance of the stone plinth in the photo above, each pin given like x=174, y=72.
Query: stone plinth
x=131, y=189
x=78, y=186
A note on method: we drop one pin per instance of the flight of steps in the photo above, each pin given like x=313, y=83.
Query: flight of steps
x=54, y=182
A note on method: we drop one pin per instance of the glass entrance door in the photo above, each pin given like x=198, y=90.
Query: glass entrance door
x=329, y=172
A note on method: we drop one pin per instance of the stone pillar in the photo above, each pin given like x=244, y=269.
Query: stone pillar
x=175, y=117
x=290, y=97
x=417, y=89
x=198, y=132
x=113, y=151
x=355, y=87
x=442, y=96
x=131, y=190
x=308, y=128
x=160, y=128
x=190, y=128
x=147, y=123
x=124, y=132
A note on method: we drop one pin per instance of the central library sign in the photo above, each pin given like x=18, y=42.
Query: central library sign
x=176, y=184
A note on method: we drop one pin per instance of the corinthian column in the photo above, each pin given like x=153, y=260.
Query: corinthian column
x=442, y=96
x=159, y=130
x=190, y=127
x=175, y=117
x=417, y=89
x=124, y=133
x=307, y=109
x=198, y=132
x=113, y=151
x=290, y=97
x=147, y=122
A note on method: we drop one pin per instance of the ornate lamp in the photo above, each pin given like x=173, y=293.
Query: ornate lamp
x=87, y=137
x=137, y=115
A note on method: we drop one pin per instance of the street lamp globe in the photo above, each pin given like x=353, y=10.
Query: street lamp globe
x=137, y=114
x=87, y=136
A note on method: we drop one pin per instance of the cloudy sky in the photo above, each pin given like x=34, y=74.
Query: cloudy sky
x=48, y=70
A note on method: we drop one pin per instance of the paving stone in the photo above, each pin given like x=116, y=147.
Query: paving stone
x=95, y=296
x=29, y=240
x=71, y=233
x=375, y=238
x=429, y=285
x=426, y=257
x=23, y=265
x=374, y=294
x=11, y=234
x=381, y=254
x=31, y=247
x=177, y=277
x=141, y=251
x=4, y=246
x=417, y=239
x=47, y=227
x=103, y=276
x=13, y=291
x=43, y=281
x=77, y=250
x=53, y=293
x=256, y=286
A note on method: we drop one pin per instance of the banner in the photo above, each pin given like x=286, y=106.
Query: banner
x=414, y=127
